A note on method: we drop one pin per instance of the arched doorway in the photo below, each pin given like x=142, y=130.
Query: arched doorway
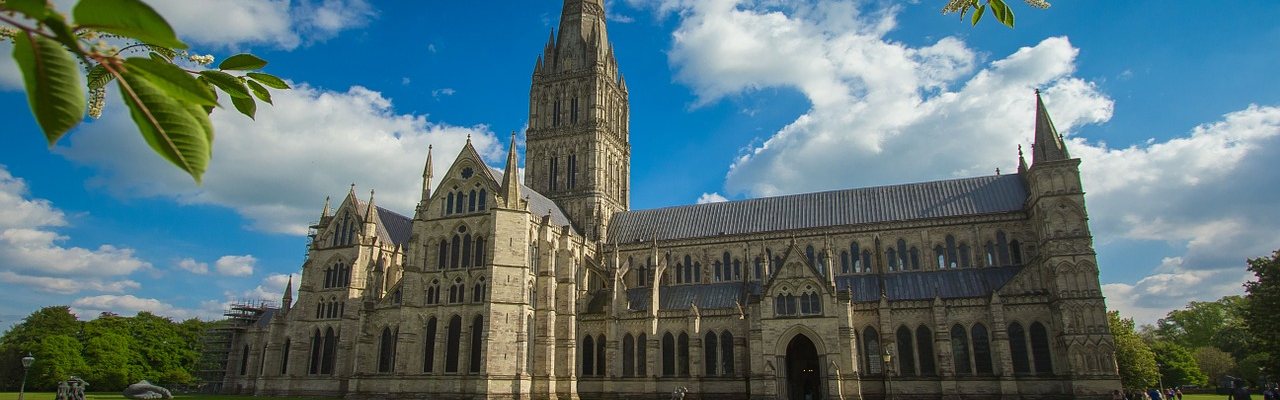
x=803, y=382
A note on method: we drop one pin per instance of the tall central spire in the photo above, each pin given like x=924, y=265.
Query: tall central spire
x=582, y=19
x=578, y=144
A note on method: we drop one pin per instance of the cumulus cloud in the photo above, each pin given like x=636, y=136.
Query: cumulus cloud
x=277, y=170
x=235, y=265
x=270, y=289
x=128, y=304
x=281, y=23
x=55, y=285
x=32, y=253
x=192, y=266
x=711, y=198
x=884, y=112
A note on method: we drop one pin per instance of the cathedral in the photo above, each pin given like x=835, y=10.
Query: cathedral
x=552, y=287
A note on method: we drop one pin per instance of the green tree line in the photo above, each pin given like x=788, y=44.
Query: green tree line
x=1207, y=343
x=110, y=352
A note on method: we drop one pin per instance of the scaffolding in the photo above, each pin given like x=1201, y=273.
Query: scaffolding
x=217, y=340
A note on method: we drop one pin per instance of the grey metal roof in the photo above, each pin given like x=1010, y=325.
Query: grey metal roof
x=679, y=297
x=392, y=227
x=950, y=284
x=949, y=198
x=539, y=204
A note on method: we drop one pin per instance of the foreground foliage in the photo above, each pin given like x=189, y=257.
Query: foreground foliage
x=1260, y=311
x=169, y=104
x=1135, y=359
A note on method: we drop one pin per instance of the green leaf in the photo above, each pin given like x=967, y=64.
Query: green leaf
x=172, y=80
x=242, y=62
x=246, y=106
x=1001, y=11
x=98, y=77
x=269, y=80
x=177, y=131
x=977, y=14
x=51, y=77
x=260, y=92
x=65, y=35
x=35, y=9
x=226, y=82
x=131, y=18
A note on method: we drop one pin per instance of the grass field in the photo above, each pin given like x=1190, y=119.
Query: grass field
x=118, y=396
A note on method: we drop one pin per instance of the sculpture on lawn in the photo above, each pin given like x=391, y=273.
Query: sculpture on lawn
x=145, y=390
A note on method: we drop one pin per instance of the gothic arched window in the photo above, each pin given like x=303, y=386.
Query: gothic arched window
x=477, y=344
x=588, y=356
x=453, y=337
x=429, y=344
x=1018, y=349
x=906, y=356
x=711, y=348
x=642, y=355
x=1040, y=350
x=478, y=259
x=484, y=197
x=726, y=353
x=871, y=350
x=682, y=354
x=668, y=355
x=924, y=347
x=628, y=355
x=981, y=350
x=317, y=352
x=387, y=351
x=960, y=349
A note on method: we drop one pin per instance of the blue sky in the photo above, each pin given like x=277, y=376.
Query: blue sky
x=1173, y=107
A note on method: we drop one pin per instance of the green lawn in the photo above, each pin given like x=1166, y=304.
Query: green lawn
x=118, y=396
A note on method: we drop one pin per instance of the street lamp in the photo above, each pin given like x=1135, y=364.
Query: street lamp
x=888, y=370
x=1160, y=376
x=26, y=365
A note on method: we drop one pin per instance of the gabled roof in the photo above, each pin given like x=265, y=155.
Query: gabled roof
x=949, y=284
x=392, y=227
x=938, y=199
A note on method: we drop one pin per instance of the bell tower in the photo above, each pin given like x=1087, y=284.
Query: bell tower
x=578, y=150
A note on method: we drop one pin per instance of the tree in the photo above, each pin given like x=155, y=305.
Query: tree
x=1136, y=361
x=1214, y=363
x=57, y=358
x=27, y=335
x=113, y=362
x=1260, y=309
x=1202, y=322
x=169, y=104
x=999, y=9
x=1177, y=366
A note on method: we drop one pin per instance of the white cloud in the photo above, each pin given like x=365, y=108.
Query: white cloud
x=884, y=112
x=235, y=265
x=277, y=170
x=711, y=198
x=190, y=265
x=281, y=23
x=54, y=285
x=270, y=289
x=128, y=304
x=32, y=255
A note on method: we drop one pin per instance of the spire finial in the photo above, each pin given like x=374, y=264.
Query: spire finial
x=325, y=214
x=1048, y=144
x=511, y=176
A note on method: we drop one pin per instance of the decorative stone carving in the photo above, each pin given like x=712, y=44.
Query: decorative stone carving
x=145, y=390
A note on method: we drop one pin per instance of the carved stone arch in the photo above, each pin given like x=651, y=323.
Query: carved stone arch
x=785, y=339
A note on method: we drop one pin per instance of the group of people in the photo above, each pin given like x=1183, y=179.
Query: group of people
x=1152, y=394
x=1271, y=393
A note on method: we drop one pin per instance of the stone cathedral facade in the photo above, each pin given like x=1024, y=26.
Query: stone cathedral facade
x=553, y=288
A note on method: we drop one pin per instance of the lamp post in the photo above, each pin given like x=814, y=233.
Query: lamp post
x=26, y=365
x=1160, y=376
x=887, y=357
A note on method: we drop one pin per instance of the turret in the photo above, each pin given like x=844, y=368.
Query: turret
x=425, y=201
x=370, y=218
x=286, y=301
x=511, y=176
x=1048, y=144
